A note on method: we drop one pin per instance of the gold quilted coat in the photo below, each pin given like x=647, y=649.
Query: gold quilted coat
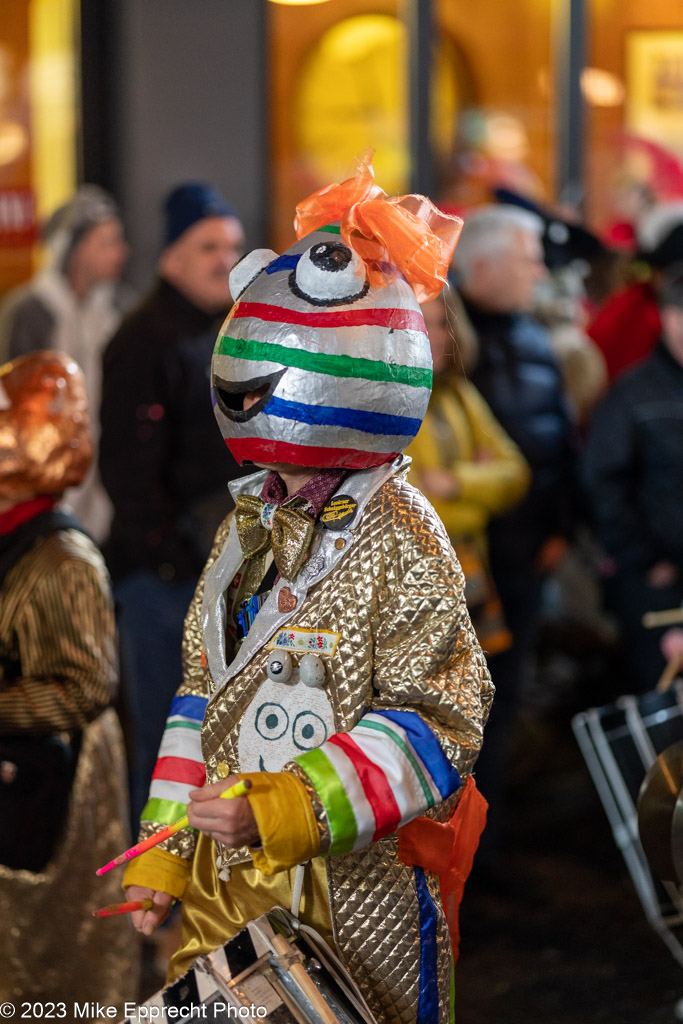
x=391, y=585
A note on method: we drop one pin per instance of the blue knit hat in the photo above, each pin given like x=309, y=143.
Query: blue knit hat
x=191, y=202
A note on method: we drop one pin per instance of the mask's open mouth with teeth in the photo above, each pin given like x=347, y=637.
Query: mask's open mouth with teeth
x=230, y=395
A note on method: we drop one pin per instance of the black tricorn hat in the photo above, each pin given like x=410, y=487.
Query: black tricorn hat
x=667, y=252
x=563, y=241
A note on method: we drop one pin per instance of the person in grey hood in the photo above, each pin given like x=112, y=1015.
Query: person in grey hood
x=74, y=304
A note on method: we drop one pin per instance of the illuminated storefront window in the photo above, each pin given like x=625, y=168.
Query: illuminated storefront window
x=365, y=56
x=505, y=134
x=339, y=83
x=38, y=103
x=634, y=144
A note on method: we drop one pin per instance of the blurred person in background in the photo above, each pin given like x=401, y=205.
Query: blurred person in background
x=466, y=465
x=499, y=262
x=633, y=474
x=627, y=327
x=570, y=252
x=631, y=199
x=572, y=256
x=75, y=304
x=161, y=460
x=63, y=794
x=559, y=307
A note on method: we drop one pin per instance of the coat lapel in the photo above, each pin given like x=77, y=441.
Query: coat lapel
x=324, y=557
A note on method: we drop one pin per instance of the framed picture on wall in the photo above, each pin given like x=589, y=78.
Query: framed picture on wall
x=654, y=87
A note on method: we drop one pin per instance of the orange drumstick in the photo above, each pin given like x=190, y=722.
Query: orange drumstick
x=123, y=908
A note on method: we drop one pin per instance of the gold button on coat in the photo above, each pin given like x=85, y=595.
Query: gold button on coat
x=222, y=770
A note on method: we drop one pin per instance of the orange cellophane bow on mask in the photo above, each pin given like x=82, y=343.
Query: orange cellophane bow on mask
x=403, y=235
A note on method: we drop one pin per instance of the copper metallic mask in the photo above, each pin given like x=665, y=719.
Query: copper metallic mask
x=45, y=442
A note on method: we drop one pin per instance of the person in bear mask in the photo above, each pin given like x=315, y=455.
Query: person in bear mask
x=329, y=655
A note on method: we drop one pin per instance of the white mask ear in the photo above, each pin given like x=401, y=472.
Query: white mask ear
x=248, y=269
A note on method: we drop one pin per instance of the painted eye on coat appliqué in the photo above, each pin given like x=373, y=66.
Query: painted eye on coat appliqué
x=329, y=274
x=309, y=730
x=272, y=721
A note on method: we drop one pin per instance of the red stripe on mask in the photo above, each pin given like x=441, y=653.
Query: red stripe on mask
x=396, y=319
x=257, y=449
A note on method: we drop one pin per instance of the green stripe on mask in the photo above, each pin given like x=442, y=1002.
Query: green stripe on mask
x=322, y=362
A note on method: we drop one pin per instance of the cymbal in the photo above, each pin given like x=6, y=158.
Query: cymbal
x=660, y=805
x=677, y=838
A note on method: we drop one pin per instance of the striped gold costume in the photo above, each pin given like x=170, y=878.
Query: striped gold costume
x=57, y=622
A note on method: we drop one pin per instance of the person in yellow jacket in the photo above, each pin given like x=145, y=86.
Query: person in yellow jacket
x=466, y=464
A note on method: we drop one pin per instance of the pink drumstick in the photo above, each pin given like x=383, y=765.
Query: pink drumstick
x=239, y=789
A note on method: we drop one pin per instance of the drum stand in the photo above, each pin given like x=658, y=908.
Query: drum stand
x=619, y=744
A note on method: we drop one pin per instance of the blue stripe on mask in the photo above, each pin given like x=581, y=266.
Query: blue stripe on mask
x=356, y=419
x=283, y=263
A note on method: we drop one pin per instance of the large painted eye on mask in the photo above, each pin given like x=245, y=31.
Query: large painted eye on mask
x=329, y=274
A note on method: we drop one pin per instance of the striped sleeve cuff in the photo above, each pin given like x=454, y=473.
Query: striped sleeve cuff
x=386, y=771
x=180, y=764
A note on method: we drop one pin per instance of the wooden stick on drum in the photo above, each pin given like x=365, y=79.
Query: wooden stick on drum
x=671, y=670
x=668, y=618
x=298, y=972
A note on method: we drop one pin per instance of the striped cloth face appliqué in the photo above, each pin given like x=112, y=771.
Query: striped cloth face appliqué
x=383, y=773
x=180, y=764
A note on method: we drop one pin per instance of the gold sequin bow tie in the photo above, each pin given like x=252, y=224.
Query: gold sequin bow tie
x=287, y=528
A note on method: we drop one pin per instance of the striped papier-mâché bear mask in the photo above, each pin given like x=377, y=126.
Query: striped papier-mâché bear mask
x=330, y=334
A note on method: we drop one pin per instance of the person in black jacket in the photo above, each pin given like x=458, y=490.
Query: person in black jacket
x=633, y=473
x=164, y=467
x=499, y=262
